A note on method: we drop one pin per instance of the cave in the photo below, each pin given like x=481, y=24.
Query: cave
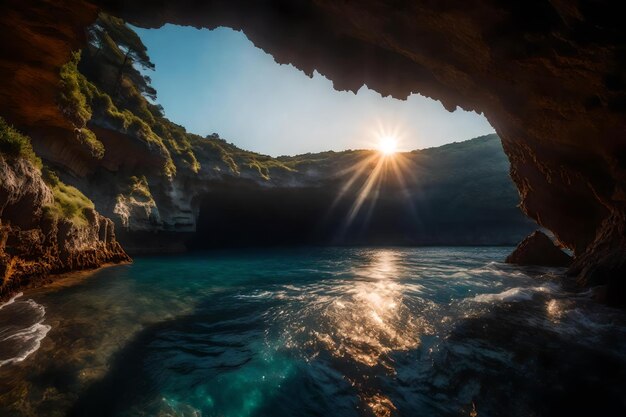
x=548, y=75
x=352, y=282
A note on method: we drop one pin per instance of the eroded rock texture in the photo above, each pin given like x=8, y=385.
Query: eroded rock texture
x=538, y=249
x=34, y=245
x=36, y=40
x=549, y=75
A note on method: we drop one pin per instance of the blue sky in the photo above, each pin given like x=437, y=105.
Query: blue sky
x=218, y=81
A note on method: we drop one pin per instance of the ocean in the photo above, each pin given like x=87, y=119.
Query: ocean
x=313, y=332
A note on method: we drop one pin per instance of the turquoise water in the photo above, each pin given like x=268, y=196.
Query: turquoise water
x=313, y=332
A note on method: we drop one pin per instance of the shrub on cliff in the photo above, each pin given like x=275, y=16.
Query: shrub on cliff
x=69, y=202
x=106, y=112
x=139, y=189
x=237, y=160
x=74, y=105
x=14, y=144
x=119, y=92
x=71, y=100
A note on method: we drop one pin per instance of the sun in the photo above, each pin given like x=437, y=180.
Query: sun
x=387, y=145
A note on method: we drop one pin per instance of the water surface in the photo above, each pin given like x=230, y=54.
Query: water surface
x=313, y=332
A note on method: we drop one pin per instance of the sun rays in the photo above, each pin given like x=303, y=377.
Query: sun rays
x=364, y=179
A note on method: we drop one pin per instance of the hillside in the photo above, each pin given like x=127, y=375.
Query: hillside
x=427, y=197
x=149, y=175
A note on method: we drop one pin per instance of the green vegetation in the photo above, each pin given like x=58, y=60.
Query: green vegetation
x=69, y=202
x=122, y=48
x=89, y=139
x=74, y=105
x=177, y=140
x=236, y=158
x=71, y=99
x=139, y=189
x=324, y=160
x=127, y=122
x=117, y=93
x=16, y=145
x=80, y=100
x=104, y=87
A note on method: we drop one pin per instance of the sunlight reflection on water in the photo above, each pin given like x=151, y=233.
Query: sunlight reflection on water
x=366, y=321
x=322, y=332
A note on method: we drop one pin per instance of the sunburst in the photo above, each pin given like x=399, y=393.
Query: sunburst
x=387, y=145
x=370, y=172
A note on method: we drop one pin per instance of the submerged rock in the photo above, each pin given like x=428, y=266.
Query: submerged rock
x=538, y=249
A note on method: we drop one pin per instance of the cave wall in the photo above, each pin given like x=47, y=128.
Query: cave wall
x=36, y=40
x=549, y=75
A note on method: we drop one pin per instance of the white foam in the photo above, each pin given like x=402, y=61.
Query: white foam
x=258, y=294
x=12, y=300
x=29, y=338
x=515, y=294
x=27, y=333
x=38, y=331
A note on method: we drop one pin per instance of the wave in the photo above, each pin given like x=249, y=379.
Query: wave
x=515, y=294
x=256, y=295
x=31, y=337
x=21, y=329
x=12, y=300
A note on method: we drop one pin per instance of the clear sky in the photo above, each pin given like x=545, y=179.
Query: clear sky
x=218, y=81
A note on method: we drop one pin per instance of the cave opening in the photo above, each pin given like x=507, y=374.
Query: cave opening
x=218, y=81
x=560, y=127
x=325, y=192
x=174, y=139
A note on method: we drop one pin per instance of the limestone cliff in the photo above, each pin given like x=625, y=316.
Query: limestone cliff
x=37, y=236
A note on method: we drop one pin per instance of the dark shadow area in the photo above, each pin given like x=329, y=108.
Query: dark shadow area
x=457, y=194
x=499, y=361
x=170, y=364
x=257, y=216
x=511, y=373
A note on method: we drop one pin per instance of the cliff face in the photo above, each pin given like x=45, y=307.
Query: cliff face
x=426, y=197
x=549, y=75
x=34, y=243
x=36, y=40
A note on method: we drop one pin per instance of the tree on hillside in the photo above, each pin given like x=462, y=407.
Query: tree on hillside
x=121, y=47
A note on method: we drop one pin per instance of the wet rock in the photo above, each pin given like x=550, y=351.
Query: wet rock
x=539, y=249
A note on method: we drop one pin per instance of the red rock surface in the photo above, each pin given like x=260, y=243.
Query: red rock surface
x=538, y=249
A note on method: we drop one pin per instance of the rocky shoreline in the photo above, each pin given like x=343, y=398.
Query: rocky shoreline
x=35, y=245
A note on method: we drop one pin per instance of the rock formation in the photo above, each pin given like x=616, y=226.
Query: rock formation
x=549, y=75
x=538, y=249
x=35, y=243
